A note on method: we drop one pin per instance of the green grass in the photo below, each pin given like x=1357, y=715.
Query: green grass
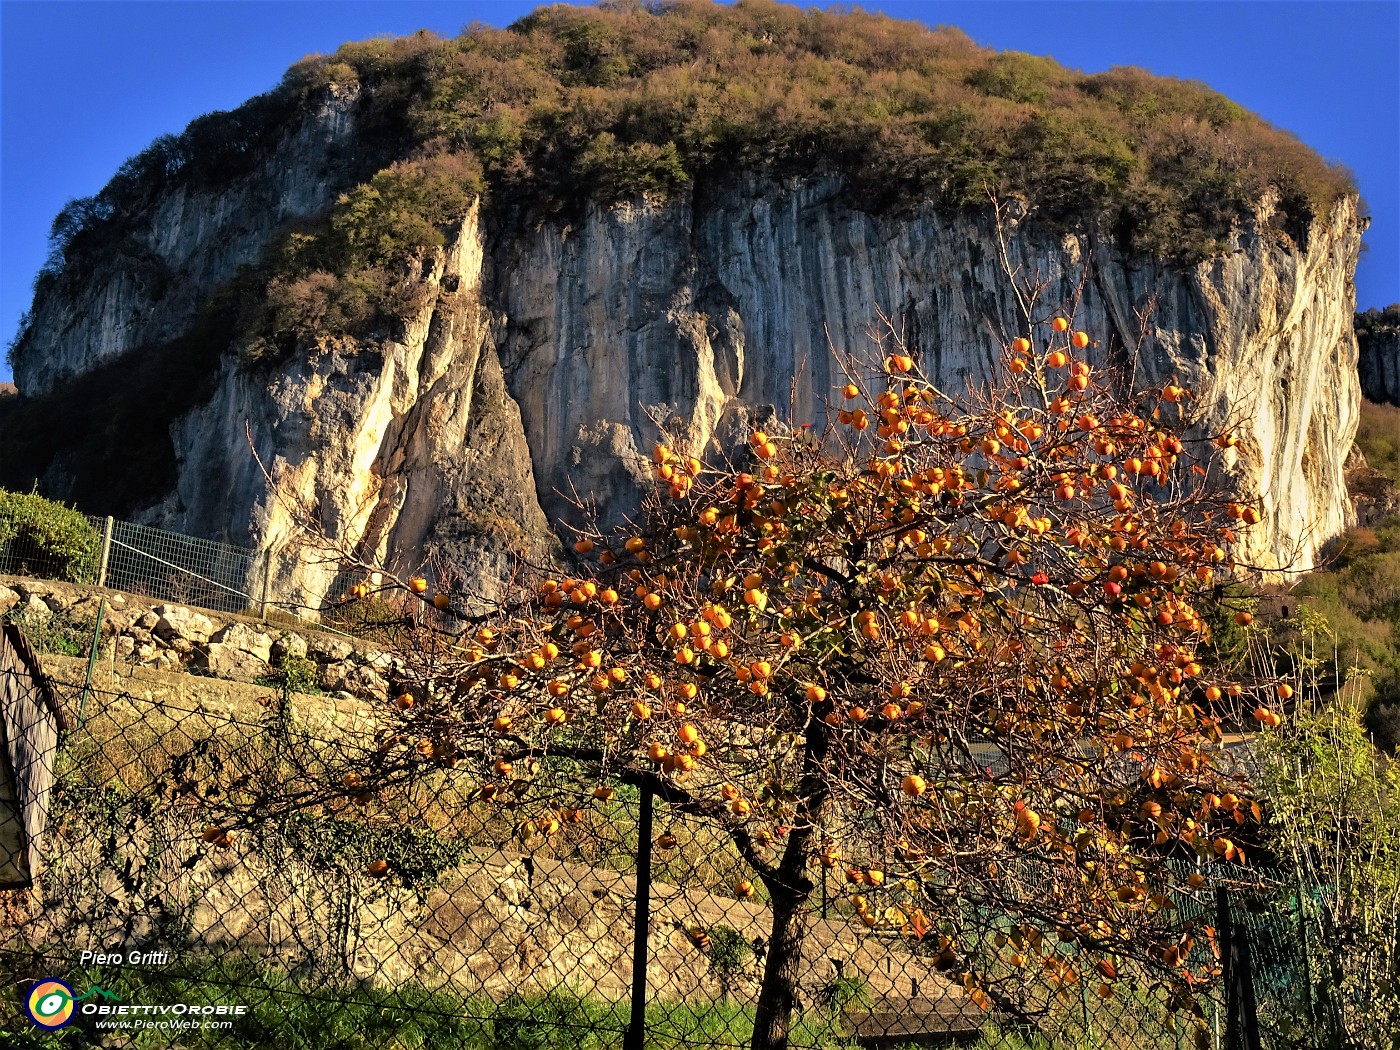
x=308, y=1015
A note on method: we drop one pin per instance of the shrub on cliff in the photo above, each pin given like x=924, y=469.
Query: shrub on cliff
x=1374, y=321
x=1378, y=438
x=686, y=91
x=357, y=269
x=41, y=538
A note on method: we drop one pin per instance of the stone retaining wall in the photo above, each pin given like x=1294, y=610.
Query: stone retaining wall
x=142, y=632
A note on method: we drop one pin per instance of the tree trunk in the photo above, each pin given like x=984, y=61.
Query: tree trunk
x=777, y=995
x=790, y=888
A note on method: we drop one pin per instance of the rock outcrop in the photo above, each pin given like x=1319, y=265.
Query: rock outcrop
x=405, y=446
x=1378, y=362
x=189, y=242
x=695, y=313
x=545, y=361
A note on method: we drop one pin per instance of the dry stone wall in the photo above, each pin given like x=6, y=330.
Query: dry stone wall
x=138, y=632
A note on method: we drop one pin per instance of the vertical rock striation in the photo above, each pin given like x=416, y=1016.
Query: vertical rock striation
x=406, y=446
x=687, y=315
x=545, y=361
x=190, y=241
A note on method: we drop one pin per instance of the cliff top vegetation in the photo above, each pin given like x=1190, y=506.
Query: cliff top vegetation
x=1377, y=322
x=573, y=104
x=576, y=103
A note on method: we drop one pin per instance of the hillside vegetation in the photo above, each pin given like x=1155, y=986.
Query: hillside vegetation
x=1342, y=623
x=573, y=104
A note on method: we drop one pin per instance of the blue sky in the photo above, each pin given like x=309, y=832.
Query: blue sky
x=87, y=84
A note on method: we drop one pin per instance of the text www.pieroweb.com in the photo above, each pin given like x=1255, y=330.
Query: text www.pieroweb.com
x=178, y=1017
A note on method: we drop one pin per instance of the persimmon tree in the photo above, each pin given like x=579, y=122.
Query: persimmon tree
x=948, y=645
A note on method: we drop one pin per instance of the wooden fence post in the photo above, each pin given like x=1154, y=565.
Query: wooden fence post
x=106, y=553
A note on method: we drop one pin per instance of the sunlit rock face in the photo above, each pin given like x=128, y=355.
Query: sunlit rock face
x=545, y=361
x=694, y=314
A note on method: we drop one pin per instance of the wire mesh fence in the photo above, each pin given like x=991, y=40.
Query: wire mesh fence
x=163, y=565
x=142, y=560
x=185, y=569
x=273, y=869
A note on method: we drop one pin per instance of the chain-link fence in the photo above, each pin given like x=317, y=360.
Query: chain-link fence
x=251, y=869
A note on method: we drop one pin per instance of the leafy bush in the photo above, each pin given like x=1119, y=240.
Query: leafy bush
x=356, y=269
x=1378, y=438
x=403, y=208
x=1347, y=621
x=847, y=993
x=1335, y=823
x=47, y=540
x=296, y=674
x=729, y=953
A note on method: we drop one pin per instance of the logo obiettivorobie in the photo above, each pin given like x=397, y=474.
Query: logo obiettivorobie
x=50, y=1003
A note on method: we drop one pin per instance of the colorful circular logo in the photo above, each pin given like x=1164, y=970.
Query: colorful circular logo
x=50, y=1003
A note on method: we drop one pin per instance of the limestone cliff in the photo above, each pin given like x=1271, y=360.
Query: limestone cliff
x=1378, y=339
x=407, y=446
x=537, y=345
x=700, y=310
x=185, y=244
x=543, y=359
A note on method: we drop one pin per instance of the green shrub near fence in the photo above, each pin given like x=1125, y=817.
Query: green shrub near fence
x=45, y=539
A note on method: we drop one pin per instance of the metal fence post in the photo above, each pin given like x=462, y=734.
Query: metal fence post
x=106, y=553
x=1223, y=935
x=92, y=656
x=267, y=571
x=1241, y=1018
x=635, y=1038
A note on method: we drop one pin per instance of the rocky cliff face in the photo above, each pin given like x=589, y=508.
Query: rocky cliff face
x=545, y=362
x=192, y=240
x=695, y=313
x=405, y=446
x=1378, y=339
